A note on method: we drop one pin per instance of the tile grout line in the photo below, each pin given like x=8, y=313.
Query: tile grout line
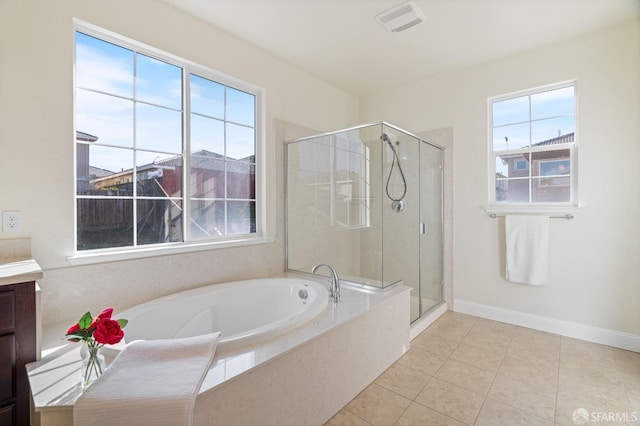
x=555, y=408
x=439, y=368
x=432, y=376
x=484, y=401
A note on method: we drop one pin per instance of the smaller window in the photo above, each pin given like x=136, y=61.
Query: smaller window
x=532, y=140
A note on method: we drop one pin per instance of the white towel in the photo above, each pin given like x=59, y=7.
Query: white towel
x=153, y=382
x=527, y=249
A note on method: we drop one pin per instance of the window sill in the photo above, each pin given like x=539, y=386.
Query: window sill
x=145, y=252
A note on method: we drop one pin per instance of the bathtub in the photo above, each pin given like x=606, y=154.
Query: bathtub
x=314, y=354
x=245, y=312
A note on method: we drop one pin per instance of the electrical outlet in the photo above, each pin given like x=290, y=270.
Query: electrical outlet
x=11, y=221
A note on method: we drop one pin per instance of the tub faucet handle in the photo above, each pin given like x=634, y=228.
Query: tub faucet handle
x=334, y=281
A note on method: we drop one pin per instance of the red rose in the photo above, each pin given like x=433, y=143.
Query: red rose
x=73, y=329
x=104, y=315
x=108, y=332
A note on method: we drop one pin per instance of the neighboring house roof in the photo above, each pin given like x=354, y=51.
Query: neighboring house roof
x=97, y=172
x=199, y=160
x=568, y=138
x=85, y=137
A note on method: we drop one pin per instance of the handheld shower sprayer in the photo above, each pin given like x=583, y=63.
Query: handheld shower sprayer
x=397, y=205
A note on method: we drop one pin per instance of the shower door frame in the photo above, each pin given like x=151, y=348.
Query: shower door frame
x=422, y=226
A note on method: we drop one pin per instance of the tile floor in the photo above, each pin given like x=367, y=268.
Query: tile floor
x=464, y=370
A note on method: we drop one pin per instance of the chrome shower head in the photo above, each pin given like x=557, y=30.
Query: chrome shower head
x=385, y=138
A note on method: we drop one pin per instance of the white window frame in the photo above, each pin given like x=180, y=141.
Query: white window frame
x=189, y=67
x=563, y=208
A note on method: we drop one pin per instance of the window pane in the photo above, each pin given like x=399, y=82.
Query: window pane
x=240, y=143
x=206, y=134
x=102, y=170
x=158, y=174
x=207, y=176
x=552, y=190
x=511, y=111
x=159, y=221
x=555, y=168
x=207, y=97
x=504, y=164
x=158, y=129
x=553, y=131
x=552, y=163
x=240, y=107
x=207, y=219
x=241, y=217
x=512, y=190
x=241, y=180
x=108, y=118
x=158, y=82
x=511, y=137
x=104, y=223
x=553, y=103
x=103, y=66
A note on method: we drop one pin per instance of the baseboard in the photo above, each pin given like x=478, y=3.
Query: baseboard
x=590, y=333
x=422, y=323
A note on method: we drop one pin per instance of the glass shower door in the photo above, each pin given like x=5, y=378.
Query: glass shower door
x=431, y=232
x=401, y=212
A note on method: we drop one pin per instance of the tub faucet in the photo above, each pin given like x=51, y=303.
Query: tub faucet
x=334, y=287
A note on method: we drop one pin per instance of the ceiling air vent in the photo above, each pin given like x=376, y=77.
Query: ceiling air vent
x=401, y=17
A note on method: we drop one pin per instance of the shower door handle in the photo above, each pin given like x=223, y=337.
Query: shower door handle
x=423, y=228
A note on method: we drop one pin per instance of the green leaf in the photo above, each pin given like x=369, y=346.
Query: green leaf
x=123, y=322
x=85, y=321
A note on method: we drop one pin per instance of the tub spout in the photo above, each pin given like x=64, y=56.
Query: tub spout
x=334, y=286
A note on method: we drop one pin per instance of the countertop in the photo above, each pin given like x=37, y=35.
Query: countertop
x=19, y=271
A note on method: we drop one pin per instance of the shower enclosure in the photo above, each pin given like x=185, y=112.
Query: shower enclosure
x=368, y=201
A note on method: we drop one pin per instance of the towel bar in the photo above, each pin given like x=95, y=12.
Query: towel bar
x=568, y=216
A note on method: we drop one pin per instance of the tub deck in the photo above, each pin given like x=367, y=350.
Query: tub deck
x=317, y=368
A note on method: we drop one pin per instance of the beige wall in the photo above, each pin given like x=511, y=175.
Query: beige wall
x=594, y=267
x=36, y=137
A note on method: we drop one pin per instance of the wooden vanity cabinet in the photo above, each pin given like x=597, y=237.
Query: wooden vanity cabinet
x=17, y=348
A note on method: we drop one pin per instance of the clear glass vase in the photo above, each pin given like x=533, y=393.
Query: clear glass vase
x=93, y=363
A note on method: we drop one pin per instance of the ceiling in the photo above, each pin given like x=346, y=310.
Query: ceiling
x=341, y=42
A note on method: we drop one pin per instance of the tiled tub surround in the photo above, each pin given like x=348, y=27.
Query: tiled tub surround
x=303, y=377
x=464, y=370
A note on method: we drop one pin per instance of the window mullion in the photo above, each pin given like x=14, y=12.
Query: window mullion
x=225, y=164
x=186, y=155
x=530, y=154
x=135, y=152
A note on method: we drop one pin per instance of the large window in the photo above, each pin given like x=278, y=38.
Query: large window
x=532, y=152
x=165, y=150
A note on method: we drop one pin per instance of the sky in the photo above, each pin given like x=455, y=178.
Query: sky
x=128, y=99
